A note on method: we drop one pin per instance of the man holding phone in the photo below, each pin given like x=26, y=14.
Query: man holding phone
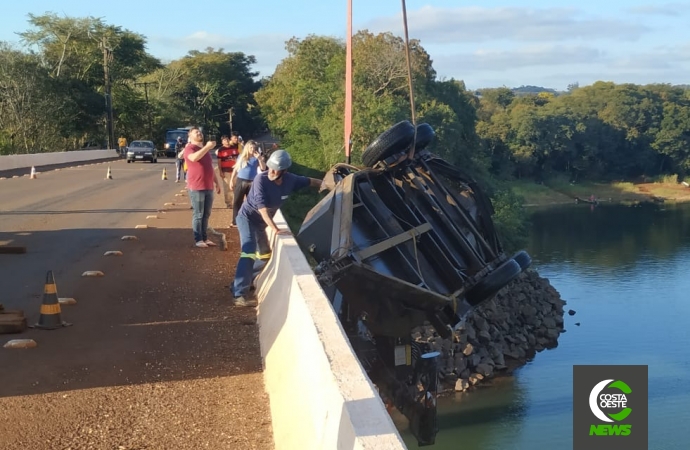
x=200, y=183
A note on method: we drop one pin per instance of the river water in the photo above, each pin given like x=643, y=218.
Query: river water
x=626, y=273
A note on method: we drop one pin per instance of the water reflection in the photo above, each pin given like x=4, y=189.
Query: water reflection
x=624, y=270
x=610, y=236
x=471, y=417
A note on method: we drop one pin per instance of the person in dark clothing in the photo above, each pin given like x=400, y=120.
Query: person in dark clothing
x=179, y=161
x=267, y=193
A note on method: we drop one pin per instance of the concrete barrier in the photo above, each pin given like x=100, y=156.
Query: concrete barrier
x=320, y=396
x=10, y=162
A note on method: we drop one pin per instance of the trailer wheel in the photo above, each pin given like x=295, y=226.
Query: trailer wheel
x=523, y=258
x=395, y=139
x=425, y=134
x=493, y=282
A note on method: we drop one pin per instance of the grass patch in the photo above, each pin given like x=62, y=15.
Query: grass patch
x=538, y=194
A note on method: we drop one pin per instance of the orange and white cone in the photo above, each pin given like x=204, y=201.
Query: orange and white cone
x=165, y=174
x=108, y=176
x=33, y=175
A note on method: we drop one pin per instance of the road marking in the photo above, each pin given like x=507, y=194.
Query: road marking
x=152, y=217
x=92, y=273
x=20, y=343
x=67, y=301
x=169, y=204
x=113, y=253
x=141, y=226
x=129, y=238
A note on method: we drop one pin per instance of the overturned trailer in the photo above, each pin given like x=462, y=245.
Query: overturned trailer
x=407, y=240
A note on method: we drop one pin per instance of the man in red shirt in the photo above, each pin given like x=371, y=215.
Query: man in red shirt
x=227, y=156
x=200, y=180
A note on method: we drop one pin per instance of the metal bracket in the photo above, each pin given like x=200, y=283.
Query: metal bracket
x=392, y=242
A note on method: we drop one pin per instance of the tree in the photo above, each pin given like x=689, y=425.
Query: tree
x=29, y=103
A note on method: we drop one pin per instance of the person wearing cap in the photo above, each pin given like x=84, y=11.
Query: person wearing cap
x=180, y=172
x=268, y=192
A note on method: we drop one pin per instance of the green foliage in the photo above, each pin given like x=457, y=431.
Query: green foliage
x=510, y=218
x=600, y=132
x=51, y=97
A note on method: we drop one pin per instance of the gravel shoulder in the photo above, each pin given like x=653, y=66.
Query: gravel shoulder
x=157, y=357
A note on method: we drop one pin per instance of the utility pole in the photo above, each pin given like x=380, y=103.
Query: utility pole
x=348, y=85
x=107, y=59
x=148, y=111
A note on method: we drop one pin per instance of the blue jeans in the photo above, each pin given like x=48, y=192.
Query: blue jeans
x=255, y=249
x=202, y=202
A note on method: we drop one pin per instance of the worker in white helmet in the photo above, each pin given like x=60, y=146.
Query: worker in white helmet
x=268, y=192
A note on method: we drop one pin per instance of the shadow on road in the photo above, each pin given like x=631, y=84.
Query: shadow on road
x=161, y=312
x=77, y=211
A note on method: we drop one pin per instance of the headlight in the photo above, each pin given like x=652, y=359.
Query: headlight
x=167, y=145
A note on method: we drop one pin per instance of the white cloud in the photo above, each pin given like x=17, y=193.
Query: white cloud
x=477, y=24
x=667, y=9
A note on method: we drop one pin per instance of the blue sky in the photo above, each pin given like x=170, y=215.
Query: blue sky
x=487, y=44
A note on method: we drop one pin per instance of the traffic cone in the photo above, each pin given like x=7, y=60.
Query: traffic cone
x=50, y=318
x=108, y=176
x=33, y=175
x=165, y=174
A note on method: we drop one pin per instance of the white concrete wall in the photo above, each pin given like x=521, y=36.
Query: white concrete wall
x=9, y=162
x=321, y=397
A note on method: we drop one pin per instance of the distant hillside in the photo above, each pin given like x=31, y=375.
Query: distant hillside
x=525, y=90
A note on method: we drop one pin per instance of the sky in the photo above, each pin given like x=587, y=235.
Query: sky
x=486, y=44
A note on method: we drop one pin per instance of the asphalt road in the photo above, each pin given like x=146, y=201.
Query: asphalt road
x=157, y=357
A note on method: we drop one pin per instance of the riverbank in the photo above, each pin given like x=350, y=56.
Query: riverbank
x=561, y=193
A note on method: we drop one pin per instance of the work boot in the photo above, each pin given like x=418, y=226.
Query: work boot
x=244, y=301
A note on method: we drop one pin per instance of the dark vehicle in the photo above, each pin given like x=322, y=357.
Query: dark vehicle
x=142, y=151
x=171, y=140
x=407, y=240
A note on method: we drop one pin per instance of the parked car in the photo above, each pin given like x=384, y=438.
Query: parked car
x=142, y=151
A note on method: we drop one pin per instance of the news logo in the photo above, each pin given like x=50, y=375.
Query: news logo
x=610, y=407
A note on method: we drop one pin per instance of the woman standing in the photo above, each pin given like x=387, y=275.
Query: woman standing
x=247, y=166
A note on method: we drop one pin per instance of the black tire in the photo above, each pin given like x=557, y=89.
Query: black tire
x=425, y=134
x=493, y=282
x=394, y=140
x=523, y=258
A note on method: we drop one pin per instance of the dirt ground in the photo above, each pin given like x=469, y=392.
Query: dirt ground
x=157, y=357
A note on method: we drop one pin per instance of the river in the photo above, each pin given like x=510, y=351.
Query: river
x=626, y=273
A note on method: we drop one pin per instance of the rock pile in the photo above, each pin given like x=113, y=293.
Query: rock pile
x=501, y=335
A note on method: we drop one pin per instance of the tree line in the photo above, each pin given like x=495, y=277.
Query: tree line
x=52, y=99
x=600, y=132
x=52, y=89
